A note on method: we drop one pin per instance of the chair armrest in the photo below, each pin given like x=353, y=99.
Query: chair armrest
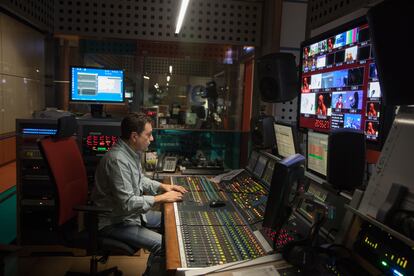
x=92, y=209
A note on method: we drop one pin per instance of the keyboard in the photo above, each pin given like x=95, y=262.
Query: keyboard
x=203, y=171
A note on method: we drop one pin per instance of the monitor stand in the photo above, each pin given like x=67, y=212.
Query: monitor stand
x=97, y=110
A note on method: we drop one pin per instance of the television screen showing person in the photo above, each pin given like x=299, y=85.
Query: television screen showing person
x=351, y=54
x=373, y=109
x=338, y=101
x=305, y=84
x=371, y=128
x=323, y=102
x=331, y=43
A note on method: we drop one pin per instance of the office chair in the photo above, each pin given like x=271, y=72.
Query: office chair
x=64, y=159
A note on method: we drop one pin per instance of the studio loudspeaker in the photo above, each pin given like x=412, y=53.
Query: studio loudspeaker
x=395, y=74
x=346, y=158
x=278, y=78
x=262, y=130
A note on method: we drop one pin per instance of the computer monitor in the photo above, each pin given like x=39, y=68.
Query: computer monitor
x=254, y=155
x=282, y=190
x=260, y=166
x=340, y=86
x=96, y=86
x=285, y=139
x=317, y=153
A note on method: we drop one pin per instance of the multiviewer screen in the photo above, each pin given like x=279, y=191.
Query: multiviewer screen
x=340, y=87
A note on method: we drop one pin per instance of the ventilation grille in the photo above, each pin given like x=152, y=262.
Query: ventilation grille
x=321, y=12
x=208, y=21
x=38, y=13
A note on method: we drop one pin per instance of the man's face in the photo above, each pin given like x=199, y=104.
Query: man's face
x=141, y=141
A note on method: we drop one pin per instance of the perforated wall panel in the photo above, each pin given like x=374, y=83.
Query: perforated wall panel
x=322, y=11
x=159, y=65
x=207, y=21
x=39, y=13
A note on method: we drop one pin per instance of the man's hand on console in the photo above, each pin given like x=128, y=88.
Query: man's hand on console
x=171, y=196
x=169, y=188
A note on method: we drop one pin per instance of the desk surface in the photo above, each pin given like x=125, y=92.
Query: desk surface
x=171, y=241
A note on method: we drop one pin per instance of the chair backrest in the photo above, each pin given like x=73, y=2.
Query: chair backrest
x=66, y=166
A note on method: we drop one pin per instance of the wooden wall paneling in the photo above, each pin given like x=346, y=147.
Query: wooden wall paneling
x=7, y=150
x=22, y=50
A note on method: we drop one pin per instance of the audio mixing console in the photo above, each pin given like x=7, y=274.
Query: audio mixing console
x=243, y=183
x=211, y=236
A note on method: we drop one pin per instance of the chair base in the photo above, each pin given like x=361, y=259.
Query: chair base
x=110, y=271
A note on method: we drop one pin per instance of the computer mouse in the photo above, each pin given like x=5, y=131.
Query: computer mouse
x=217, y=203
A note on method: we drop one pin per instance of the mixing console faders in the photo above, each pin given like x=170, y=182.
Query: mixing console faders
x=211, y=236
x=213, y=245
x=218, y=217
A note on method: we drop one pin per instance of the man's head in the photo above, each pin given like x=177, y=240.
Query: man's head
x=136, y=130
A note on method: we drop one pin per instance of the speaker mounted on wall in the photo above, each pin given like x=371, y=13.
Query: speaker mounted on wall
x=394, y=58
x=346, y=158
x=262, y=131
x=278, y=77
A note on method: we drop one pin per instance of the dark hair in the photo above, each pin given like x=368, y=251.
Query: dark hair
x=134, y=122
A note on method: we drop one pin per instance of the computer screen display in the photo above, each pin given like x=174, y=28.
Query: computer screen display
x=97, y=85
x=340, y=87
x=317, y=153
x=260, y=166
x=268, y=174
x=285, y=141
x=252, y=161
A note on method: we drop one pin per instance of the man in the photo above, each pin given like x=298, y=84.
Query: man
x=120, y=185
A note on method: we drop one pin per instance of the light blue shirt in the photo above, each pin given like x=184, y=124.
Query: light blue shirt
x=120, y=185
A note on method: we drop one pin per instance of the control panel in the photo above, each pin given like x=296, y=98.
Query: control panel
x=208, y=234
x=383, y=251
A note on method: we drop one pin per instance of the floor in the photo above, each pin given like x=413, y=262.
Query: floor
x=56, y=266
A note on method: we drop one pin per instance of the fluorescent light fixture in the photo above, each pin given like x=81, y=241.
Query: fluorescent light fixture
x=168, y=78
x=170, y=69
x=183, y=9
x=146, y=77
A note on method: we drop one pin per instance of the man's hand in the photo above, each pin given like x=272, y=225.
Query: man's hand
x=171, y=196
x=169, y=188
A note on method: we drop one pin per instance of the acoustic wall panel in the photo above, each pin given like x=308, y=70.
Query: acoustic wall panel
x=207, y=21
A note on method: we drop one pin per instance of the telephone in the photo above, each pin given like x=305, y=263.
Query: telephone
x=166, y=163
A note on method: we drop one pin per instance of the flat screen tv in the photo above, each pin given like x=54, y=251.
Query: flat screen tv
x=339, y=83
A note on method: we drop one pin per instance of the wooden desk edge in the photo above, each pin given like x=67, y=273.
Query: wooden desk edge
x=172, y=252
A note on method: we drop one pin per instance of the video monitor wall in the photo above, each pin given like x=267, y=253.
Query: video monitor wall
x=340, y=87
